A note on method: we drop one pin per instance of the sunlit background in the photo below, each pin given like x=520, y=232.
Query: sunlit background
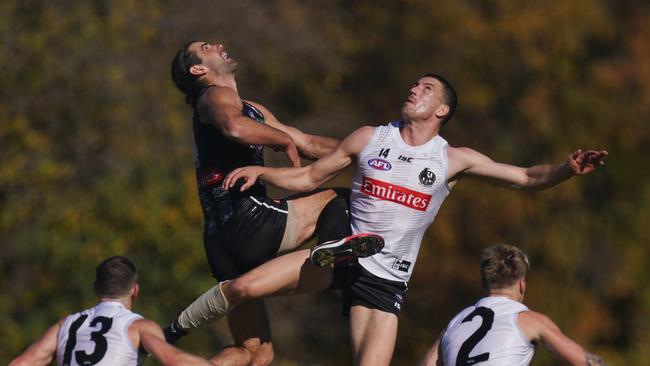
x=96, y=154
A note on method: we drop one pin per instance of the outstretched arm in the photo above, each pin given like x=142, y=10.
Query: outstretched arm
x=540, y=328
x=467, y=162
x=41, y=351
x=153, y=340
x=221, y=107
x=310, y=146
x=309, y=177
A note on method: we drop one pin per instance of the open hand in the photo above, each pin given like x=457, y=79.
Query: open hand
x=248, y=173
x=585, y=162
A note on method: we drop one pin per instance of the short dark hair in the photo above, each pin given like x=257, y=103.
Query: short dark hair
x=187, y=83
x=450, y=97
x=502, y=266
x=115, y=277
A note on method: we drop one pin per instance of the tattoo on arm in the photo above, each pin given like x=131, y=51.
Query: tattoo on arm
x=593, y=360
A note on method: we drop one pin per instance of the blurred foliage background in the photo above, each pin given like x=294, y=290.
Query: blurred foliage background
x=96, y=154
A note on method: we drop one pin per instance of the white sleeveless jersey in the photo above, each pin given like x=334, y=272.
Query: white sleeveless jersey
x=98, y=336
x=396, y=193
x=487, y=333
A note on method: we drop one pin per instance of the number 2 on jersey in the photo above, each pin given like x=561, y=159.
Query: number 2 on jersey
x=487, y=318
x=101, y=345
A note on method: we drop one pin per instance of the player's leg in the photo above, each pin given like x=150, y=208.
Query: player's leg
x=249, y=324
x=291, y=273
x=373, y=334
x=251, y=331
x=303, y=216
x=287, y=274
x=374, y=304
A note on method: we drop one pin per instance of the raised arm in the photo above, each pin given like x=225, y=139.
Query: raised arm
x=41, y=351
x=467, y=162
x=221, y=107
x=152, y=339
x=310, y=146
x=540, y=328
x=309, y=177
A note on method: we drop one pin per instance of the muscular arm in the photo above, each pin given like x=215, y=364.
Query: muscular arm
x=221, y=107
x=540, y=328
x=309, y=177
x=310, y=146
x=41, y=351
x=467, y=162
x=152, y=339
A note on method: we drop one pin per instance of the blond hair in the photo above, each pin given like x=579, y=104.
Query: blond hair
x=502, y=266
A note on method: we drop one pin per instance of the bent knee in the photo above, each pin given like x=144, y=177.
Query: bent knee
x=262, y=356
x=239, y=290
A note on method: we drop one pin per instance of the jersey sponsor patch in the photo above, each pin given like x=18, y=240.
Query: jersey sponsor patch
x=401, y=265
x=394, y=193
x=379, y=164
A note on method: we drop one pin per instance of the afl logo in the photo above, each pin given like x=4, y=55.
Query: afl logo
x=379, y=164
x=427, y=177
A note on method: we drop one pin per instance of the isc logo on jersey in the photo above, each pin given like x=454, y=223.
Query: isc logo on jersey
x=379, y=164
x=394, y=193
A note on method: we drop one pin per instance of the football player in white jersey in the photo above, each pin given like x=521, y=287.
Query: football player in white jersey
x=404, y=172
x=109, y=333
x=499, y=329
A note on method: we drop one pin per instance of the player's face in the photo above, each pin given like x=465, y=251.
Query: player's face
x=214, y=56
x=424, y=99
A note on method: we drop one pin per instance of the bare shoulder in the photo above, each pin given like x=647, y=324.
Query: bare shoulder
x=143, y=324
x=462, y=160
x=464, y=154
x=358, y=139
x=535, y=324
x=363, y=133
x=534, y=317
x=218, y=96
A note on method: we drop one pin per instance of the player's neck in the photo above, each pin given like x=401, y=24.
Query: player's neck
x=417, y=133
x=509, y=293
x=126, y=301
x=227, y=80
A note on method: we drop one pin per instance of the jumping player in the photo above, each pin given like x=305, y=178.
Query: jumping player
x=108, y=333
x=404, y=172
x=499, y=329
x=245, y=229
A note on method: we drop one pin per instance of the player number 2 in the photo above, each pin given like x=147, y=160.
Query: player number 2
x=101, y=345
x=487, y=318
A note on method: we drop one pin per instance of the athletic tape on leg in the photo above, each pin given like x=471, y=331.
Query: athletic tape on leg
x=210, y=306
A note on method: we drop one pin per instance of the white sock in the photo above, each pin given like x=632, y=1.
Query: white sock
x=212, y=305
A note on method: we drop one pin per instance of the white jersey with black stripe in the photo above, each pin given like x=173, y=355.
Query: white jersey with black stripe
x=98, y=336
x=396, y=193
x=486, y=334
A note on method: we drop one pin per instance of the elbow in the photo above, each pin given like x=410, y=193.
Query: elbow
x=17, y=362
x=530, y=185
x=24, y=360
x=310, y=183
x=301, y=187
x=232, y=130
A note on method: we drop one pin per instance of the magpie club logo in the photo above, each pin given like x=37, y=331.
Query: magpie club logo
x=427, y=177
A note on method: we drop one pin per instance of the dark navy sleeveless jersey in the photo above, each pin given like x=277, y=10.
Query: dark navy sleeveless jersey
x=215, y=157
